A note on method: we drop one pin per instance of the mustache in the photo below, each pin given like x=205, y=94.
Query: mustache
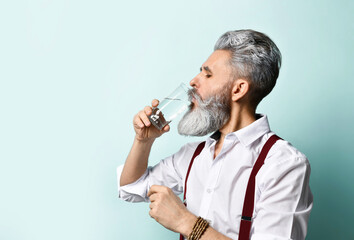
x=192, y=93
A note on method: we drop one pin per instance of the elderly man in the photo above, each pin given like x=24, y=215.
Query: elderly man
x=243, y=182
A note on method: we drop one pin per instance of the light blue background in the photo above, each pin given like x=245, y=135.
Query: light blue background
x=74, y=73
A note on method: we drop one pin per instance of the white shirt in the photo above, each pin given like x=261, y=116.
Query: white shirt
x=216, y=187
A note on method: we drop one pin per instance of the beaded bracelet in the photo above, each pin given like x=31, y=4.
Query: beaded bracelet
x=198, y=229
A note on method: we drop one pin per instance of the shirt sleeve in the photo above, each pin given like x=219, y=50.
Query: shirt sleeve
x=284, y=201
x=169, y=172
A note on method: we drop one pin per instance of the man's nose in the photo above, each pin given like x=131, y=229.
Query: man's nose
x=194, y=82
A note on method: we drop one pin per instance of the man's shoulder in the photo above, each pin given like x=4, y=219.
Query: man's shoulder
x=182, y=157
x=190, y=147
x=282, y=151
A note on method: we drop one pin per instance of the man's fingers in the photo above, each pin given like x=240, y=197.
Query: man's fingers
x=155, y=102
x=138, y=122
x=152, y=205
x=157, y=189
x=141, y=119
x=144, y=118
x=153, y=189
x=148, y=110
x=166, y=128
x=153, y=197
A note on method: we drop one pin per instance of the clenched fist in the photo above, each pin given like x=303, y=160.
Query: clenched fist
x=168, y=210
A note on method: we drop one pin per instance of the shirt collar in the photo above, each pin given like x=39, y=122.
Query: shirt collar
x=248, y=134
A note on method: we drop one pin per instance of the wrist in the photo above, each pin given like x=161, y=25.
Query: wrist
x=144, y=140
x=199, y=228
x=187, y=224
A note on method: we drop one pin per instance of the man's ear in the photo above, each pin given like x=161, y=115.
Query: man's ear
x=239, y=90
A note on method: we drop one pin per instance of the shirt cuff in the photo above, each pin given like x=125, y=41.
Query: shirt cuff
x=133, y=192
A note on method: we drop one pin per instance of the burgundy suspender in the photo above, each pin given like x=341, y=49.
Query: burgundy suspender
x=248, y=205
x=196, y=153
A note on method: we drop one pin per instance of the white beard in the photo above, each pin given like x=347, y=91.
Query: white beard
x=208, y=116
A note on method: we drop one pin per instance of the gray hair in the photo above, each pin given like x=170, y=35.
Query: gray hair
x=254, y=57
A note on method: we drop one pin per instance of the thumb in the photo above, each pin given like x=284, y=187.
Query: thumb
x=166, y=128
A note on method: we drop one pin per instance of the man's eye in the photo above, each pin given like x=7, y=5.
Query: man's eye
x=208, y=75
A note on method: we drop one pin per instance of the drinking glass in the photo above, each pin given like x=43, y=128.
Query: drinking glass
x=170, y=107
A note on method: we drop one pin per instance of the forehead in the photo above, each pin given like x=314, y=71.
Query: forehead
x=218, y=60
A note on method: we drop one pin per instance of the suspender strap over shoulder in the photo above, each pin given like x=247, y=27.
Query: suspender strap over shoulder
x=248, y=205
x=196, y=153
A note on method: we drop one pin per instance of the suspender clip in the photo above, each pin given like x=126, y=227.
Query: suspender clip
x=246, y=218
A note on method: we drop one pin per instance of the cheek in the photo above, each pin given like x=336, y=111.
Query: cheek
x=206, y=91
x=200, y=92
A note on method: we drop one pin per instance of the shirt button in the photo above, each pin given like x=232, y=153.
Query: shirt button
x=209, y=190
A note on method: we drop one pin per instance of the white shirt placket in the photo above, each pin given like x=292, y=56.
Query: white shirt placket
x=211, y=181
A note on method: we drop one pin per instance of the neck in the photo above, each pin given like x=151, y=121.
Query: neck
x=240, y=117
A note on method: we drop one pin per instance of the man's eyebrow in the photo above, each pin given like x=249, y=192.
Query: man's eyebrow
x=206, y=68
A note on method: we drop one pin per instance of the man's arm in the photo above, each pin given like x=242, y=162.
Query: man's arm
x=136, y=162
x=145, y=135
x=285, y=200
